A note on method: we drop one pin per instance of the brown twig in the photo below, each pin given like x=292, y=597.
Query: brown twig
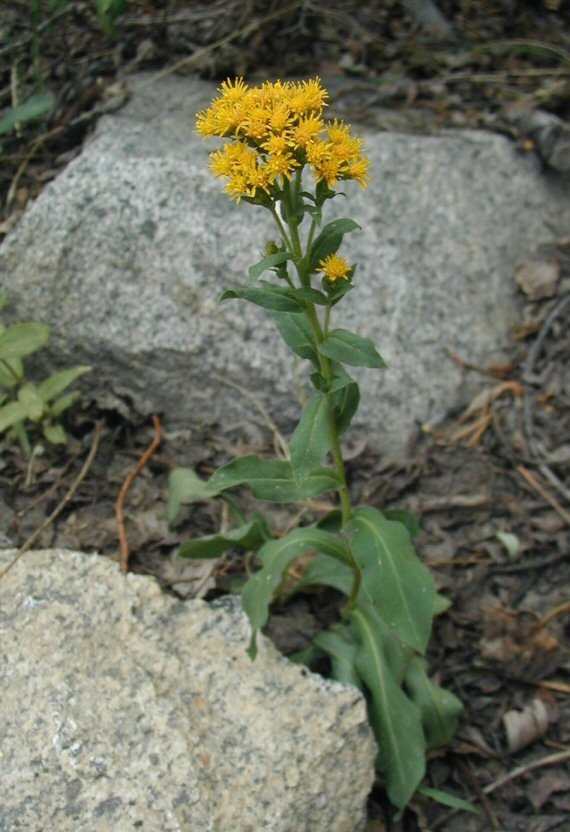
x=550, y=760
x=562, y=609
x=61, y=505
x=535, y=483
x=129, y=479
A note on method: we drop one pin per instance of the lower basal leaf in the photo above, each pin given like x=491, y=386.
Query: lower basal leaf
x=276, y=558
x=395, y=718
x=400, y=586
x=440, y=709
x=249, y=536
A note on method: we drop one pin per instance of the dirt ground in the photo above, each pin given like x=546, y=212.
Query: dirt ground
x=491, y=488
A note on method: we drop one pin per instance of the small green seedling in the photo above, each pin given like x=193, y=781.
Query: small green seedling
x=27, y=405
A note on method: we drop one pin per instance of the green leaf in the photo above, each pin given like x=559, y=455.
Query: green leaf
x=440, y=710
x=22, y=339
x=269, y=479
x=440, y=604
x=406, y=518
x=312, y=438
x=342, y=650
x=342, y=288
x=107, y=13
x=395, y=719
x=400, y=586
x=323, y=192
x=276, y=557
x=184, y=486
x=248, y=537
x=276, y=298
x=448, y=799
x=326, y=571
x=31, y=401
x=4, y=298
x=11, y=372
x=329, y=240
x=58, y=382
x=267, y=262
x=308, y=656
x=332, y=521
x=54, y=433
x=312, y=296
x=63, y=403
x=348, y=348
x=33, y=108
x=297, y=334
x=10, y=414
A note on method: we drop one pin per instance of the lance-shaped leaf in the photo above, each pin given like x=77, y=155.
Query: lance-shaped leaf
x=248, y=537
x=329, y=240
x=276, y=298
x=11, y=414
x=400, y=586
x=30, y=399
x=395, y=719
x=440, y=709
x=269, y=479
x=54, y=433
x=63, y=403
x=348, y=348
x=342, y=649
x=276, y=557
x=446, y=799
x=12, y=372
x=312, y=296
x=268, y=262
x=22, y=339
x=297, y=334
x=34, y=107
x=312, y=438
x=58, y=382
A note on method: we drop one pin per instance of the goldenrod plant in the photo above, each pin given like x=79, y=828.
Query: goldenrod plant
x=25, y=404
x=283, y=156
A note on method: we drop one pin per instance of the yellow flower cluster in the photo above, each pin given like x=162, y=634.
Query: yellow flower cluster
x=278, y=128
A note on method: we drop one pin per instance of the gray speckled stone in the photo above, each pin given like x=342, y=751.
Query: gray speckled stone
x=124, y=709
x=127, y=252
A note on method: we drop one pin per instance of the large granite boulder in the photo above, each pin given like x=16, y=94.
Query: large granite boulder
x=124, y=709
x=126, y=254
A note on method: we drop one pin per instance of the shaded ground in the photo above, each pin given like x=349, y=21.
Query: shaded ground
x=491, y=489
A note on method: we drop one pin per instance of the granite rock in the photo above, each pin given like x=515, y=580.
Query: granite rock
x=126, y=253
x=124, y=709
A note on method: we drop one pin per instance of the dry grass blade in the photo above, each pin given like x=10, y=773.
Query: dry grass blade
x=62, y=504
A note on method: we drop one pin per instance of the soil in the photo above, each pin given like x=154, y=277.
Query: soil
x=490, y=488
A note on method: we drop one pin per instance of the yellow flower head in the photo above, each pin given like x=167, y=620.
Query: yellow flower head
x=335, y=268
x=275, y=130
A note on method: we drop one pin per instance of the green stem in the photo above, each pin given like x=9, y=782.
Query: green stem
x=301, y=261
x=281, y=227
x=356, y=568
